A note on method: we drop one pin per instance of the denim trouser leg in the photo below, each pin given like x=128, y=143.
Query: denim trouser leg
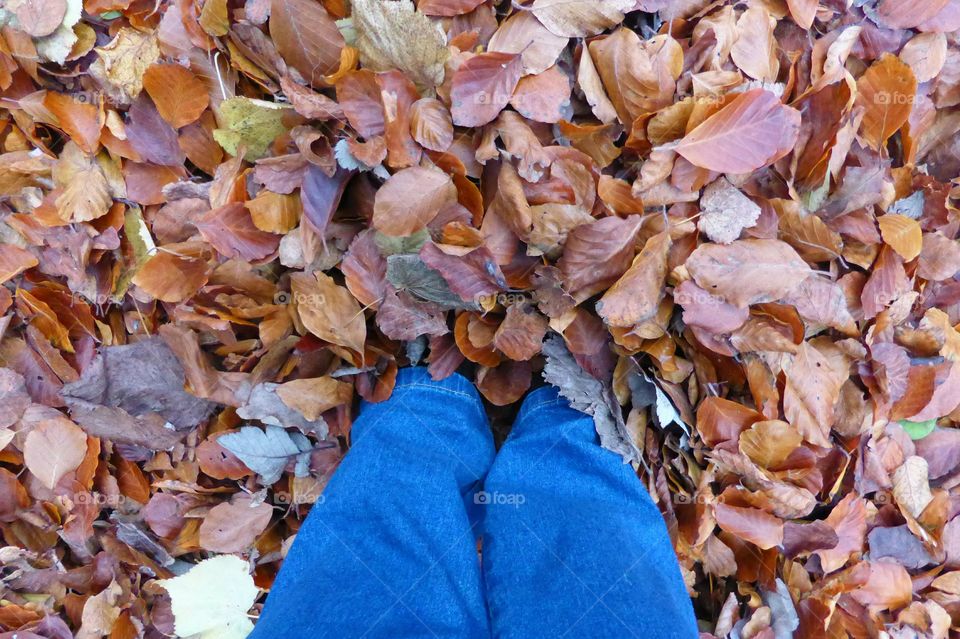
x=573, y=545
x=391, y=551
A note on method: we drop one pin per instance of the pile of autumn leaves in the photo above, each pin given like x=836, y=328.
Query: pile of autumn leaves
x=726, y=232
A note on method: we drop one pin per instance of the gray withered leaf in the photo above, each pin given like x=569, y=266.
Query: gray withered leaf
x=135, y=394
x=267, y=452
x=588, y=395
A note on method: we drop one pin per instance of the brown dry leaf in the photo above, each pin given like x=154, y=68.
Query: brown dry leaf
x=542, y=97
x=521, y=333
x=925, y=54
x=174, y=273
x=179, y=96
x=329, y=311
x=750, y=524
x=636, y=296
x=85, y=194
x=749, y=132
x=234, y=526
x=939, y=257
x=597, y=254
x=803, y=11
x=748, y=272
x=886, y=91
x=448, y=7
x=307, y=38
x=230, y=230
x=580, y=18
x=911, y=486
x=769, y=443
x=755, y=50
x=522, y=33
x=13, y=261
x=811, y=393
x=725, y=212
x=410, y=199
x=314, y=396
x=215, y=18
x=275, y=212
x=482, y=87
x=53, y=448
x=395, y=35
x=902, y=234
x=39, y=18
x=81, y=121
x=431, y=124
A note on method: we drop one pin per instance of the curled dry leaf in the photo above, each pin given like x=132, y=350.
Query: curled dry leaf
x=725, y=212
x=328, y=310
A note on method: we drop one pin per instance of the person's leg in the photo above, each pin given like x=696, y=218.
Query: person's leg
x=573, y=546
x=390, y=551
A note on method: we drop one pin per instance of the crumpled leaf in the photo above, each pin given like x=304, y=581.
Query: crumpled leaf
x=580, y=18
x=121, y=64
x=725, y=212
x=749, y=132
x=747, y=272
x=135, y=394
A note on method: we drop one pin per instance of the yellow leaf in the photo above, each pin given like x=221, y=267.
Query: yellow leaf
x=902, y=234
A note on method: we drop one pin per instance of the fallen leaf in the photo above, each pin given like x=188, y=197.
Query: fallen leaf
x=747, y=272
x=306, y=37
x=179, y=96
x=580, y=18
x=902, y=234
x=749, y=132
x=410, y=199
x=482, y=87
x=53, y=448
x=395, y=35
x=725, y=212
x=212, y=598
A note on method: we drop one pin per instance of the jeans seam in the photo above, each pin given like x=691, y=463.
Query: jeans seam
x=533, y=409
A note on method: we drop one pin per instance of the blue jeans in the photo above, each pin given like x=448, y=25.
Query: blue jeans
x=572, y=545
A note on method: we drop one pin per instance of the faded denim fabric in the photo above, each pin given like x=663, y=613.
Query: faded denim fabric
x=572, y=545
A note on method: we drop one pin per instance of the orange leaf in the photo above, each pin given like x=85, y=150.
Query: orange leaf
x=902, y=234
x=180, y=97
x=82, y=121
x=887, y=91
x=14, y=260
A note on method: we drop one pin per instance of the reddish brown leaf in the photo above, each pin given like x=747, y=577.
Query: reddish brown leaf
x=749, y=132
x=482, y=87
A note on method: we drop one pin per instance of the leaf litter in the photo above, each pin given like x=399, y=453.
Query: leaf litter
x=727, y=232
